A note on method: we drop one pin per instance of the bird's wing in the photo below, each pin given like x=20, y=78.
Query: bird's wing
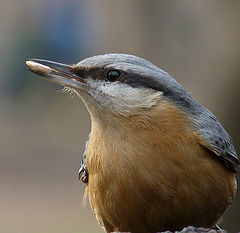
x=217, y=140
x=83, y=172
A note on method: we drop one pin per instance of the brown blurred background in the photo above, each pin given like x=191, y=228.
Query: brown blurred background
x=43, y=131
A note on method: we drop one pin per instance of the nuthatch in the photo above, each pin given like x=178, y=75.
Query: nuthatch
x=156, y=159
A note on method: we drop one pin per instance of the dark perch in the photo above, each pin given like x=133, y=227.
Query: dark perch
x=198, y=230
x=194, y=230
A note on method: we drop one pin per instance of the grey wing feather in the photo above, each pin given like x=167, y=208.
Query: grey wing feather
x=83, y=172
x=206, y=124
x=217, y=139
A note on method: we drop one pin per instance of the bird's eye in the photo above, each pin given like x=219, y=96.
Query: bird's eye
x=113, y=75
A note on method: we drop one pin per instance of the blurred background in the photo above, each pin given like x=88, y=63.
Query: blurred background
x=43, y=131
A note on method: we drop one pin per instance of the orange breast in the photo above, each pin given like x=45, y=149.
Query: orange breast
x=149, y=173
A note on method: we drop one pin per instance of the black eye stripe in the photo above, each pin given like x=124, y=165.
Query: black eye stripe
x=113, y=75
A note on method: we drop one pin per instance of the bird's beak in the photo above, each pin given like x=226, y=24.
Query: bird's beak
x=55, y=72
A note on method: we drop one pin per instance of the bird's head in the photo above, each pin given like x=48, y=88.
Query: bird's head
x=118, y=84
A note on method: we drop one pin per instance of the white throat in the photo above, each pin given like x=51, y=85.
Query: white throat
x=118, y=98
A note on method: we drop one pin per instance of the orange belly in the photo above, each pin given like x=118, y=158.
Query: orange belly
x=136, y=204
x=157, y=177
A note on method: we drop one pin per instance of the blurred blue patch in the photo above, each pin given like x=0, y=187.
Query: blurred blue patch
x=60, y=31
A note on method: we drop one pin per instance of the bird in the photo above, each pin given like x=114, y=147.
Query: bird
x=156, y=159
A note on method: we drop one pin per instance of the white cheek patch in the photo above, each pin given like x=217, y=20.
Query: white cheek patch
x=123, y=98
